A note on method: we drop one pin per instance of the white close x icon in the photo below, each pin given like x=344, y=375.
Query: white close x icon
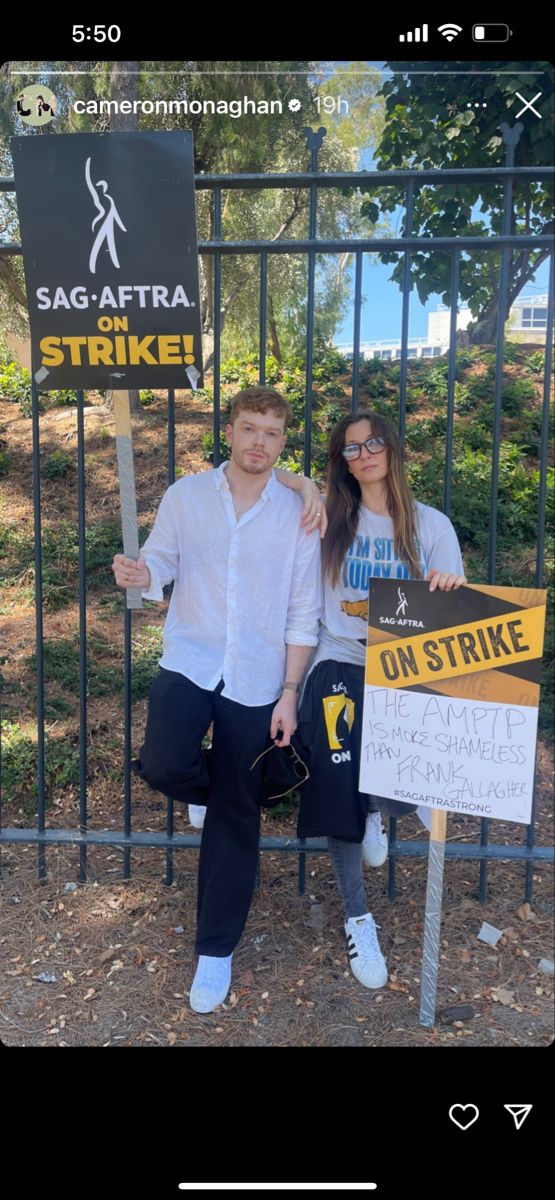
x=529, y=104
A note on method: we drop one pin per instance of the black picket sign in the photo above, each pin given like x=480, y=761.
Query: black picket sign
x=111, y=258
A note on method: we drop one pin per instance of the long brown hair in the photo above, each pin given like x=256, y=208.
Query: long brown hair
x=344, y=498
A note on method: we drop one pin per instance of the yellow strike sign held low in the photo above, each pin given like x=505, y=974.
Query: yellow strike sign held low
x=462, y=650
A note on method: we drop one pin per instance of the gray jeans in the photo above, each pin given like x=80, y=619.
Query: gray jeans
x=346, y=859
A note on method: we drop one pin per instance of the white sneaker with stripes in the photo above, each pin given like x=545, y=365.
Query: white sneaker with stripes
x=366, y=959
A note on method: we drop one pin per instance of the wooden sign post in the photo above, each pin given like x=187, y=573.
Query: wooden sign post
x=126, y=478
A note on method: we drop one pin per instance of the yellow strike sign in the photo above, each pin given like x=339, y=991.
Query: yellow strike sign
x=461, y=650
x=119, y=350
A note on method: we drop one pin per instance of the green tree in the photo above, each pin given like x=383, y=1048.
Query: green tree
x=429, y=124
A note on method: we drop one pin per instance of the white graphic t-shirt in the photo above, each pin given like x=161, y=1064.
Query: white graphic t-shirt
x=372, y=555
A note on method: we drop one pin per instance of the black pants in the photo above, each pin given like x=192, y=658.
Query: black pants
x=329, y=737
x=172, y=761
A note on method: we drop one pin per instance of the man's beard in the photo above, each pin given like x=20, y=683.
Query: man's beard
x=254, y=468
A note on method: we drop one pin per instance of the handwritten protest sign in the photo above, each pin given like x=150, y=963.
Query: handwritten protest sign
x=451, y=713
x=451, y=697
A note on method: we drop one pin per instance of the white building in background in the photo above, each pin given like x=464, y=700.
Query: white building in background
x=527, y=323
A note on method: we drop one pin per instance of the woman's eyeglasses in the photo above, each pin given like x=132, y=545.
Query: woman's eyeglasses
x=374, y=445
x=300, y=768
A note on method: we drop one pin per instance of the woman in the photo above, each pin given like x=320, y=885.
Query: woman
x=375, y=527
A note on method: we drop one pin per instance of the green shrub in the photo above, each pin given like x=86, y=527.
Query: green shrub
x=465, y=359
x=471, y=493
x=513, y=353
x=206, y=395
x=20, y=765
x=207, y=442
x=61, y=665
x=328, y=362
x=326, y=416
x=147, y=397
x=462, y=400
x=15, y=383
x=58, y=465
x=434, y=382
x=516, y=393
x=60, y=557
x=5, y=462
x=474, y=434
x=480, y=388
x=417, y=436
x=535, y=362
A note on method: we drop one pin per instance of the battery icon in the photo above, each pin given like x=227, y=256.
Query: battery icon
x=491, y=33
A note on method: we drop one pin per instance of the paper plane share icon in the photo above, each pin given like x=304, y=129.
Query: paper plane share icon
x=519, y=1112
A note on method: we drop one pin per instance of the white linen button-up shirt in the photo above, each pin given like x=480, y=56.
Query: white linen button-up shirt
x=243, y=588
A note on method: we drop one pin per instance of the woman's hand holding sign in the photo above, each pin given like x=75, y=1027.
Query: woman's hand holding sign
x=445, y=581
x=130, y=573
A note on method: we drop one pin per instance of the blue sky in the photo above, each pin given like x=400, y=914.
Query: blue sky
x=381, y=314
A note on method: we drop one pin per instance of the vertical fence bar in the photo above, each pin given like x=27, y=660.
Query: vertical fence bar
x=127, y=632
x=544, y=449
x=171, y=479
x=41, y=773
x=405, y=316
x=82, y=633
x=217, y=320
x=392, y=860
x=356, y=329
x=314, y=141
x=168, y=879
x=302, y=868
x=171, y=436
x=455, y=268
x=496, y=435
x=263, y=317
x=262, y=380
x=496, y=439
x=542, y=496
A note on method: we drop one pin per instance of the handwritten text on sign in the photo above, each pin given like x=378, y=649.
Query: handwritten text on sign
x=447, y=753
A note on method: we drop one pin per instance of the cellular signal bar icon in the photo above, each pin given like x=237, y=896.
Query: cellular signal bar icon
x=415, y=35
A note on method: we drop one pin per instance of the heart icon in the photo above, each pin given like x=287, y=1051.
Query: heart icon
x=468, y=1114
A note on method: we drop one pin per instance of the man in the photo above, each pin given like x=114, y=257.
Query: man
x=241, y=624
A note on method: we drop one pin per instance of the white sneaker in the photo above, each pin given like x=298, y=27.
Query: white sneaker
x=367, y=961
x=211, y=983
x=197, y=813
x=374, y=842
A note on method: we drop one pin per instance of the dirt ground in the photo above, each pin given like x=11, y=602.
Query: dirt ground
x=109, y=962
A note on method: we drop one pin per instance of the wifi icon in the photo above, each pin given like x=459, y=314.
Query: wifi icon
x=449, y=31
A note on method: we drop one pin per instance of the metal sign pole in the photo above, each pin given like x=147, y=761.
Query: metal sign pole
x=432, y=918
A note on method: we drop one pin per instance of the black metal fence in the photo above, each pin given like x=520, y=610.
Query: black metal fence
x=506, y=243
